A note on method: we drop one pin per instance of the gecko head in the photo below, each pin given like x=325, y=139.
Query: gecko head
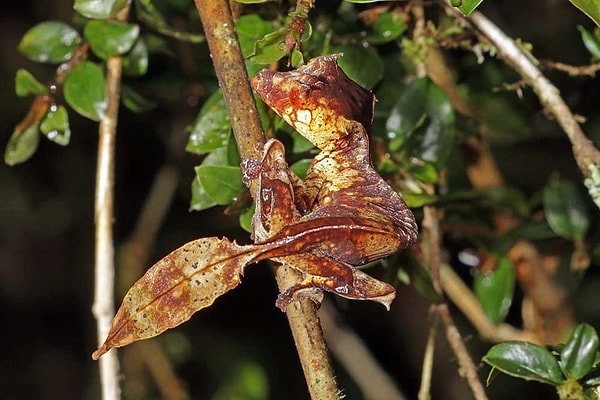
x=317, y=99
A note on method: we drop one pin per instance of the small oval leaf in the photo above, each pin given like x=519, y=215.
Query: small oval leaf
x=495, y=289
x=110, y=38
x=26, y=84
x=222, y=183
x=565, y=209
x=212, y=127
x=21, y=145
x=135, y=63
x=525, y=360
x=101, y=9
x=55, y=125
x=579, y=353
x=50, y=42
x=85, y=90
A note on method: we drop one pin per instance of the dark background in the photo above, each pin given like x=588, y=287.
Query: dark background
x=46, y=241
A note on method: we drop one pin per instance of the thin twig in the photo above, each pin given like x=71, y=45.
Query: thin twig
x=468, y=369
x=573, y=70
x=352, y=353
x=586, y=155
x=104, y=307
x=428, y=357
x=231, y=72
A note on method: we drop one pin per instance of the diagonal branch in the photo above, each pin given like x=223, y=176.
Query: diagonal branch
x=586, y=155
x=233, y=80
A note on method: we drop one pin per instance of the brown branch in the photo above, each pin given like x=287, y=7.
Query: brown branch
x=573, y=70
x=352, y=353
x=231, y=72
x=104, y=306
x=586, y=155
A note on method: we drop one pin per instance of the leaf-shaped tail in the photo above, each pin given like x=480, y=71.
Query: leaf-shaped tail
x=183, y=282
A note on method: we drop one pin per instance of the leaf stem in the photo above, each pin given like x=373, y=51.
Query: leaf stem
x=229, y=65
x=103, y=307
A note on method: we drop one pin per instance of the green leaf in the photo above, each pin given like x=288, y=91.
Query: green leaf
x=579, y=353
x=212, y=127
x=592, y=183
x=223, y=184
x=55, y=126
x=22, y=144
x=495, y=289
x=200, y=199
x=415, y=200
x=85, y=90
x=565, y=209
x=387, y=27
x=50, y=42
x=525, y=360
x=135, y=63
x=591, y=41
x=301, y=167
x=149, y=14
x=26, y=84
x=422, y=123
x=362, y=64
x=591, y=8
x=101, y=9
x=270, y=48
x=468, y=6
x=110, y=38
x=251, y=28
x=136, y=102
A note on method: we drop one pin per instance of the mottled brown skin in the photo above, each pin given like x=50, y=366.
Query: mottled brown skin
x=343, y=214
x=354, y=216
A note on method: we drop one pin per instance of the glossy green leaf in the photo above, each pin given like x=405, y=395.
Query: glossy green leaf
x=135, y=62
x=223, y=184
x=22, y=144
x=85, y=90
x=200, y=199
x=101, y=9
x=26, y=84
x=525, y=360
x=362, y=64
x=579, y=353
x=301, y=167
x=386, y=28
x=422, y=123
x=50, y=42
x=495, y=289
x=270, y=48
x=468, y=6
x=565, y=209
x=233, y=154
x=591, y=8
x=109, y=38
x=135, y=102
x=55, y=126
x=212, y=127
x=149, y=14
x=421, y=280
x=251, y=28
x=592, y=183
x=591, y=41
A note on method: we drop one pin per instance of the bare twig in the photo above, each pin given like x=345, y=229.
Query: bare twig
x=103, y=308
x=229, y=65
x=354, y=356
x=572, y=70
x=428, y=357
x=586, y=155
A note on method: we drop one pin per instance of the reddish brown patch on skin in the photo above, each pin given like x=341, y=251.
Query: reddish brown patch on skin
x=353, y=215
